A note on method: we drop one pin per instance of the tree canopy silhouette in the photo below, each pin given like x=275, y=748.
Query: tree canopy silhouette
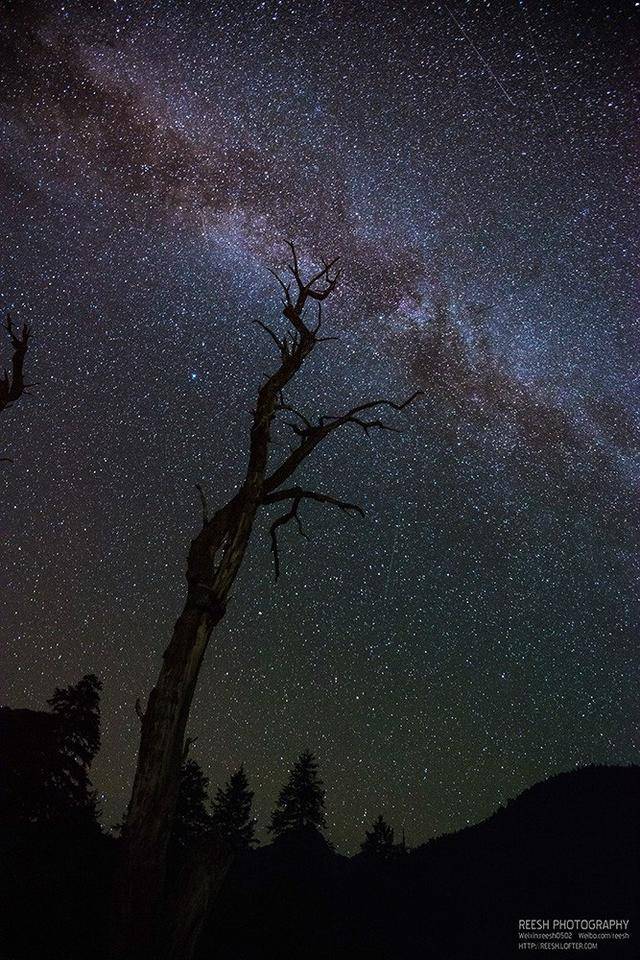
x=215, y=557
x=48, y=758
x=378, y=842
x=301, y=800
x=191, y=821
x=231, y=812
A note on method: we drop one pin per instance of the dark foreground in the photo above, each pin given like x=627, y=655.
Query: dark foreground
x=565, y=849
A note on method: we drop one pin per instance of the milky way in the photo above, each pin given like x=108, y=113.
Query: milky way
x=474, y=165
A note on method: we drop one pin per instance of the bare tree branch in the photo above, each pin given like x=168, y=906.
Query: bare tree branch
x=310, y=438
x=282, y=345
x=309, y=290
x=297, y=495
x=12, y=385
x=286, y=287
x=228, y=536
x=287, y=408
x=204, y=505
x=188, y=743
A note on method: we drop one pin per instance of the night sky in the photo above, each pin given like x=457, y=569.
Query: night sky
x=475, y=166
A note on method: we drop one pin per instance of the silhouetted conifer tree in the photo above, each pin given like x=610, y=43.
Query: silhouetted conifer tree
x=378, y=841
x=47, y=757
x=301, y=800
x=77, y=712
x=231, y=812
x=191, y=822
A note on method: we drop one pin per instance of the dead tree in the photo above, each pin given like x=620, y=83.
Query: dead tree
x=214, y=559
x=12, y=385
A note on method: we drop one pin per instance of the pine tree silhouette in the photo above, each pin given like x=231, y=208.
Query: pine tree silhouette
x=378, y=841
x=191, y=821
x=76, y=709
x=301, y=800
x=47, y=757
x=231, y=812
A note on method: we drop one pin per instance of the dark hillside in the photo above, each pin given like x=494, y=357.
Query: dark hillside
x=566, y=848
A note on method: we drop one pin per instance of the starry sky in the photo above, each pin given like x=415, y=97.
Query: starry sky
x=475, y=166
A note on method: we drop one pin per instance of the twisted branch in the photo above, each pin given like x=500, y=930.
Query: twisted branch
x=297, y=495
x=310, y=437
x=217, y=552
x=12, y=385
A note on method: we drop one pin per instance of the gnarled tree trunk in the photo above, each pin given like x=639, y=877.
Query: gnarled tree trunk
x=149, y=818
x=198, y=880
